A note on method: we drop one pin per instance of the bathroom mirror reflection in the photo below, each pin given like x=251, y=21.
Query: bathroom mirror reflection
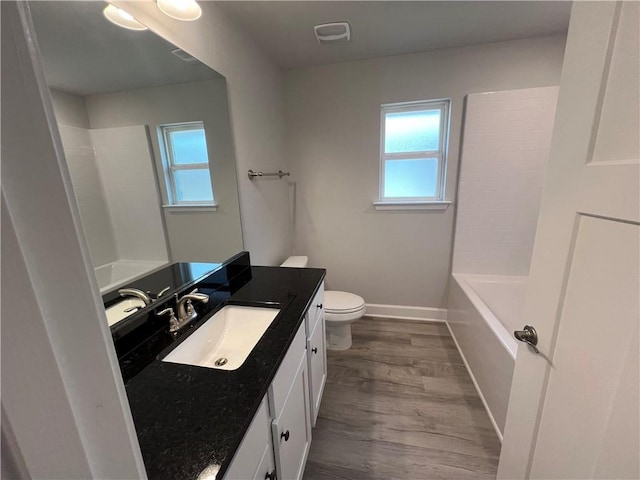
x=146, y=132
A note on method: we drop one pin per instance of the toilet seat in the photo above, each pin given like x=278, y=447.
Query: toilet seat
x=350, y=317
x=343, y=306
x=342, y=302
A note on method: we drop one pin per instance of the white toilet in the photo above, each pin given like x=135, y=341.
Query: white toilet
x=341, y=310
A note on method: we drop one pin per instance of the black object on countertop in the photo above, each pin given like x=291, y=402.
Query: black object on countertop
x=192, y=419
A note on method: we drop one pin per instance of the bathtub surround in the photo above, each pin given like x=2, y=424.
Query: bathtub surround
x=113, y=181
x=506, y=142
x=507, y=137
x=333, y=122
x=125, y=163
x=89, y=191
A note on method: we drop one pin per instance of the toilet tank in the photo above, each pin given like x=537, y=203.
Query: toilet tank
x=296, y=262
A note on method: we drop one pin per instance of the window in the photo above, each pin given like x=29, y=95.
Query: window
x=413, y=150
x=186, y=164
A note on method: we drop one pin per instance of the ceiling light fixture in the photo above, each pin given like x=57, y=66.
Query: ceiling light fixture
x=185, y=10
x=121, y=18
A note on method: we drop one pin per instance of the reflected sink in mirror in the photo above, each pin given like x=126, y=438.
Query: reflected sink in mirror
x=225, y=340
x=118, y=311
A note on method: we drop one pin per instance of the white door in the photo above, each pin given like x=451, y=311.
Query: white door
x=574, y=408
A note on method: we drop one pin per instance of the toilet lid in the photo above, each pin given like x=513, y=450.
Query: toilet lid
x=342, y=302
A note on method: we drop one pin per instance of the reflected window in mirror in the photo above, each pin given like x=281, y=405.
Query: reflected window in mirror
x=186, y=162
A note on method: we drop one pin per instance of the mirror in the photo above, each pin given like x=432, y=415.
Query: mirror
x=139, y=120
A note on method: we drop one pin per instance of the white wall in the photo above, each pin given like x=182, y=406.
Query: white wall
x=255, y=91
x=333, y=128
x=507, y=137
x=200, y=235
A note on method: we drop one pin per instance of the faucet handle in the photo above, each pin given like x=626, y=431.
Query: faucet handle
x=163, y=291
x=173, y=321
x=190, y=308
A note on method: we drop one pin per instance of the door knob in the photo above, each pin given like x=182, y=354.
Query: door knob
x=314, y=350
x=528, y=336
x=285, y=435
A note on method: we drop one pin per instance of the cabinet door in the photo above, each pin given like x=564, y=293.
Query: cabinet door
x=317, y=355
x=254, y=450
x=292, y=429
x=267, y=468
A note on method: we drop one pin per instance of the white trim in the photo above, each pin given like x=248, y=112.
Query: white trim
x=170, y=167
x=403, y=312
x=444, y=105
x=387, y=206
x=475, y=384
x=205, y=207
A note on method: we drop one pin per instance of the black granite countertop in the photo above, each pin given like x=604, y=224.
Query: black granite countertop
x=190, y=419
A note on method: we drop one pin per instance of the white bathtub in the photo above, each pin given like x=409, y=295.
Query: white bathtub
x=484, y=310
x=118, y=273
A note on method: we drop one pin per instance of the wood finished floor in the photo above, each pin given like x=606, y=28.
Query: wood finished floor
x=400, y=405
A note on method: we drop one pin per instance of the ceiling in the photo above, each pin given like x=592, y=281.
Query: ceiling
x=85, y=54
x=284, y=29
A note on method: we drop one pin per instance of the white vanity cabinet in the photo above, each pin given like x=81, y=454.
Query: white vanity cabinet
x=279, y=437
x=316, y=352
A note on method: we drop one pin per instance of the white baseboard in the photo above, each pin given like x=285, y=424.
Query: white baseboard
x=402, y=312
x=475, y=384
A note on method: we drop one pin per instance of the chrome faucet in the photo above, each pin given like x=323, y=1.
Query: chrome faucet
x=186, y=312
x=147, y=297
x=134, y=292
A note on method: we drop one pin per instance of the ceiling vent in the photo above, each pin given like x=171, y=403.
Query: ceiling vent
x=182, y=55
x=332, y=32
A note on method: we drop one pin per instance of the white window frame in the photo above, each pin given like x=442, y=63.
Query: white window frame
x=438, y=200
x=170, y=167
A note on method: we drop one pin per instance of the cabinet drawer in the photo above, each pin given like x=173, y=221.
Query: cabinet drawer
x=315, y=310
x=317, y=354
x=292, y=430
x=282, y=382
x=255, y=445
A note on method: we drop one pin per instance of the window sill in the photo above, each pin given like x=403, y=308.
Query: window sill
x=399, y=206
x=204, y=207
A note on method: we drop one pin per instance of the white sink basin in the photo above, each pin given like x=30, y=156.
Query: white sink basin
x=226, y=339
x=116, y=312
